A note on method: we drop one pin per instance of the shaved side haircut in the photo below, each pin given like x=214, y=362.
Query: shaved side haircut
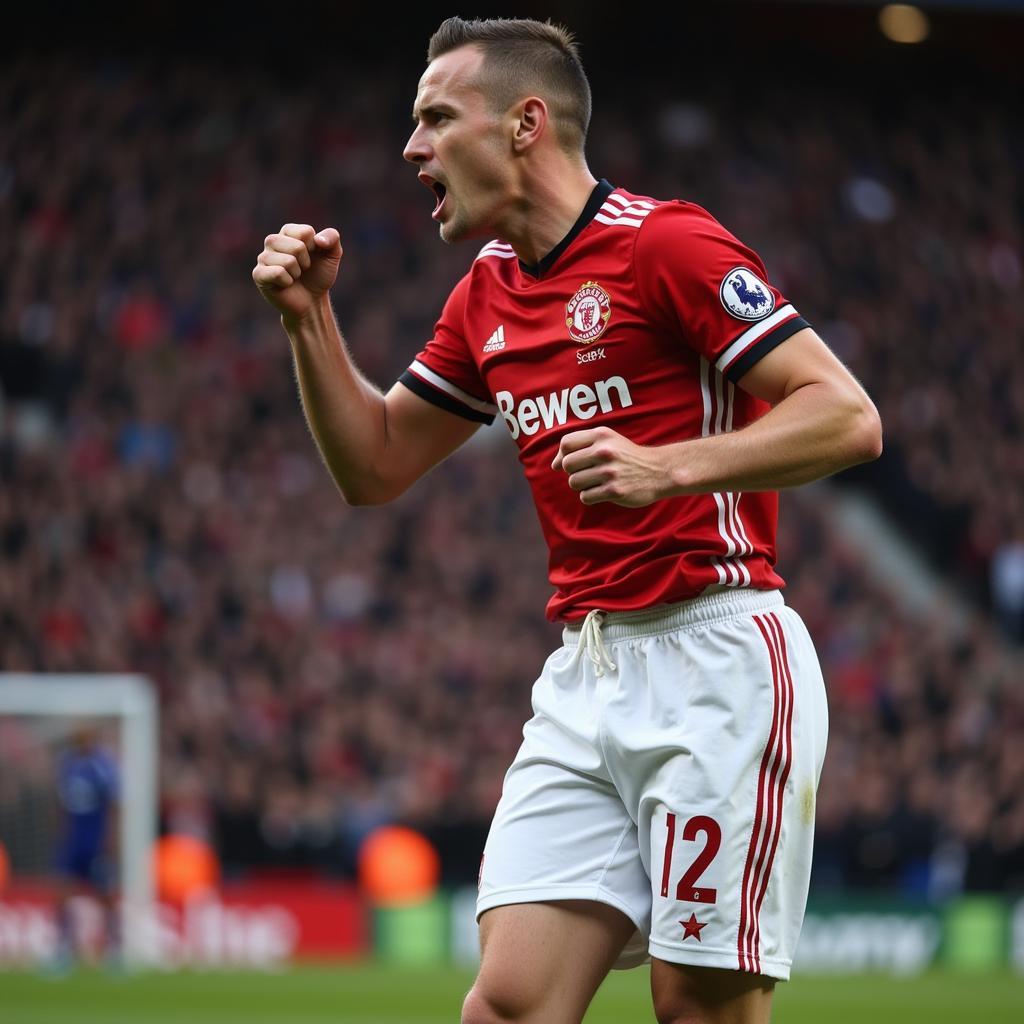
x=522, y=58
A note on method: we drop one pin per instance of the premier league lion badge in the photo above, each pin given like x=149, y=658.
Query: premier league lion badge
x=588, y=313
x=745, y=295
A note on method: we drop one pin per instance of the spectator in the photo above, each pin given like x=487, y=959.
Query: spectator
x=154, y=461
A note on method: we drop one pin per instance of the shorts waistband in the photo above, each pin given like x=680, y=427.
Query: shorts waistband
x=698, y=611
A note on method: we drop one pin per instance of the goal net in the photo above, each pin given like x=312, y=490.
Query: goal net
x=54, y=731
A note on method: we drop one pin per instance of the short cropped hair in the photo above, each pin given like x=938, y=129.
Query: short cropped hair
x=524, y=57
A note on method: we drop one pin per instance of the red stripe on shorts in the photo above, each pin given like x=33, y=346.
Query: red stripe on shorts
x=785, y=755
x=783, y=763
x=744, y=948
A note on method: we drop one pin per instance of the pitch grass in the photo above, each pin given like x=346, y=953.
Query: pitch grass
x=370, y=994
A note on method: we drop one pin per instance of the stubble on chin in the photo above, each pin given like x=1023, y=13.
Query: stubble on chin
x=450, y=233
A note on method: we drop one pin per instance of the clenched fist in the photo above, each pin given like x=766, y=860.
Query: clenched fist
x=296, y=267
x=602, y=465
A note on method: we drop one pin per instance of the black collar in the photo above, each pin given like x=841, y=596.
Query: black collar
x=602, y=190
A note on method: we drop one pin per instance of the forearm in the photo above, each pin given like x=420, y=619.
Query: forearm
x=820, y=422
x=345, y=412
x=812, y=433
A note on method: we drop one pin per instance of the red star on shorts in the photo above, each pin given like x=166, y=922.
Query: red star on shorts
x=692, y=927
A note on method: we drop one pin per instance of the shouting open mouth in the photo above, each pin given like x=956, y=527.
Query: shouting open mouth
x=439, y=189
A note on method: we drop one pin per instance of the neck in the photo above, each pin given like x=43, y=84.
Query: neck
x=545, y=210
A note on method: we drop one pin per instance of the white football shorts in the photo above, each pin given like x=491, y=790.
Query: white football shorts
x=670, y=770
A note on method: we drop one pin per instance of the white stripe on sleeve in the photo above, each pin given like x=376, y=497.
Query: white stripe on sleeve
x=748, y=337
x=425, y=373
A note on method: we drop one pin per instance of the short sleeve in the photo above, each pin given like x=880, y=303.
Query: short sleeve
x=703, y=283
x=444, y=372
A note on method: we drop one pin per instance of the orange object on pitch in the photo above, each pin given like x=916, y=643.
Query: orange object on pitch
x=397, y=865
x=183, y=865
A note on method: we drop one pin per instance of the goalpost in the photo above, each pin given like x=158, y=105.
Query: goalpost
x=130, y=700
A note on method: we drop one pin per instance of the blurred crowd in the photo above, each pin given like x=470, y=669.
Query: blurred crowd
x=323, y=669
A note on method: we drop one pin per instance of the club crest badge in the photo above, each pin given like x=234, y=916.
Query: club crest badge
x=587, y=313
x=745, y=295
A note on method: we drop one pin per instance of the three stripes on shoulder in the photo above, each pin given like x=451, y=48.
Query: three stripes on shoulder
x=616, y=211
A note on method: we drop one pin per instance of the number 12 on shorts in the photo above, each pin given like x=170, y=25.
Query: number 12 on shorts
x=688, y=890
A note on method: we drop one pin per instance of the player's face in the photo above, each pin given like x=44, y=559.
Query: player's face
x=460, y=148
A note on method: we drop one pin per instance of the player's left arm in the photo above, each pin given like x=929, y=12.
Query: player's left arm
x=821, y=421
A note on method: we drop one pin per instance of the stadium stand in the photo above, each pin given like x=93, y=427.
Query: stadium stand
x=323, y=669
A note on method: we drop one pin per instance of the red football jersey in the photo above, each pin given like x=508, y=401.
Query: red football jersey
x=642, y=319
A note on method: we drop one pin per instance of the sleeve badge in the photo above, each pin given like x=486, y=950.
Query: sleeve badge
x=745, y=296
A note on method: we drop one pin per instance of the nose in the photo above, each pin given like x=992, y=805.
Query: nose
x=417, y=150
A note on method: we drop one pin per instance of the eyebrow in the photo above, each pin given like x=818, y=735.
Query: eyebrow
x=434, y=108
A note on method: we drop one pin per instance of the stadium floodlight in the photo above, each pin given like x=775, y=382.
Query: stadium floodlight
x=131, y=701
x=903, y=23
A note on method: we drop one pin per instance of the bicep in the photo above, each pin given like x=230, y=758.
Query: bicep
x=420, y=434
x=800, y=360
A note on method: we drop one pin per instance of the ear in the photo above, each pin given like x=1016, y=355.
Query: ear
x=531, y=118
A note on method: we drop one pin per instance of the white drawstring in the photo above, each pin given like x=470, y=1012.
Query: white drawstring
x=591, y=642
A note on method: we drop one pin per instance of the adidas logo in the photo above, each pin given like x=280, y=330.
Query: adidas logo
x=496, y=342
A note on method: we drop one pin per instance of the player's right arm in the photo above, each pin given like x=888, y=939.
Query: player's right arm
x=375, y=445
